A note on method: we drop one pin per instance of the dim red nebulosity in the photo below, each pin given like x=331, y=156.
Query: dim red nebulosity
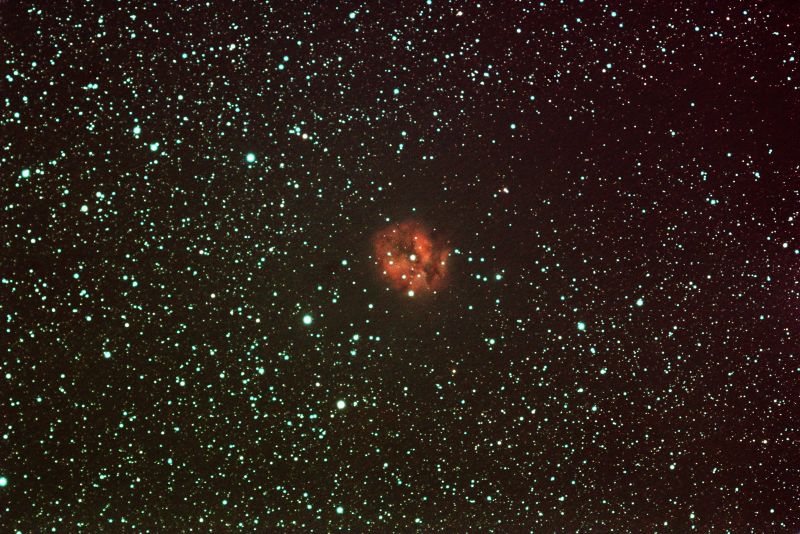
x=409, y=259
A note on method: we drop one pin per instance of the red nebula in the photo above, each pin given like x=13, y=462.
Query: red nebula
x=409, y=259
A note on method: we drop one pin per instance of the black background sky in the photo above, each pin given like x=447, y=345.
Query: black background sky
x=616, y=350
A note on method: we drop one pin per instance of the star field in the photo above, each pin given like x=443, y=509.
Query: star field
x=196, y=334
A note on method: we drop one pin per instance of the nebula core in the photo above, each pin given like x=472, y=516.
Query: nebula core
x=410, y=259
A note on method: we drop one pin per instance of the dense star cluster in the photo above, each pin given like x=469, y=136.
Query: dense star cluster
x=202, y=330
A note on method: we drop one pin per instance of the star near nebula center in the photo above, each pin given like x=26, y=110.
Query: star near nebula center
x=409, y=259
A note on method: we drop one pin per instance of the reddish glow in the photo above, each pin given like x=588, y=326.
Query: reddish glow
x=409, y=259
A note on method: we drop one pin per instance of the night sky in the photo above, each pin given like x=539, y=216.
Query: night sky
x=400, y=266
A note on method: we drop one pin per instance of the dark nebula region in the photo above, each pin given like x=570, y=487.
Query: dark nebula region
x=410, y=259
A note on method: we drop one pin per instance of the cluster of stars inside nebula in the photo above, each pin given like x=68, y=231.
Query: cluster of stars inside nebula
x=410, y=259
